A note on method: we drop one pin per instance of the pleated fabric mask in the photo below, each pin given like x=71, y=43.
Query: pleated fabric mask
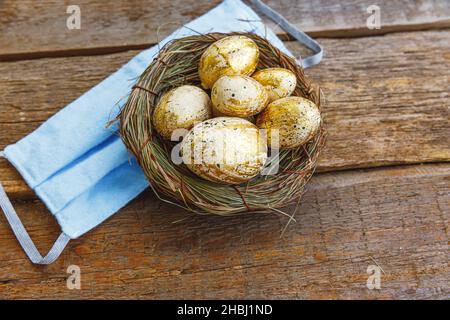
x=79, y=168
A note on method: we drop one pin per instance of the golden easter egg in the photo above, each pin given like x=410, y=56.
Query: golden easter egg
x=228, y=56
x=238, y=96
x=278, y=82
x=216, y=113
x=292, y=121
x=181, y=108
x=224, y=150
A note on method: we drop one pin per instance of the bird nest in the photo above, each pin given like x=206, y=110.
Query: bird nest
x=176, y=65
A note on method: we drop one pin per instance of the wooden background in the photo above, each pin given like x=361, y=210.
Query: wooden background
x=382, y=194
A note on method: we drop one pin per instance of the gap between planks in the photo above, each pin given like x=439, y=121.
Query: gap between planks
x=18, y=190
x=339, y=33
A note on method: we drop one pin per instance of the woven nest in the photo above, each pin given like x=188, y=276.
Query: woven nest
x=176, y=65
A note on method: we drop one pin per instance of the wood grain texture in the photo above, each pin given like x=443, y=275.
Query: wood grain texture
x=387, y=99
x=31, y=28
x=324, y=18
x=398, y=218
x=380, y=109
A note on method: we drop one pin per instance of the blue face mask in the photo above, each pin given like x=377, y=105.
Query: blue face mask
x=79, y=168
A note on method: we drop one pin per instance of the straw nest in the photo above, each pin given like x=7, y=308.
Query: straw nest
x=175, y=65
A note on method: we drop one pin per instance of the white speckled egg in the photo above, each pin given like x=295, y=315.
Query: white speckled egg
x=278, y=82
x=224, y=150
x=238, y=96
x=228, y=56
x=216, y=113
x=297, y=120
x=181, y=108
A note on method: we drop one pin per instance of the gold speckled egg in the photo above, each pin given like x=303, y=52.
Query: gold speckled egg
x=181, y=108
x=228, y=56
x=238, y=96
x=278, y=82
x=224, y=150
x=216, y=113
x=297, y=120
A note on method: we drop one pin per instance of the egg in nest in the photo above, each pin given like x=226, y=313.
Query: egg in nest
x=238, y=96
x=216, y=113
x=228, y=56
x=224, y=150
x=181, y=108
x=278, y=82
x=293, y=120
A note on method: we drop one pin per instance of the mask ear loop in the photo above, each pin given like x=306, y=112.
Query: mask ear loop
x=22, y=234
x=294, y=32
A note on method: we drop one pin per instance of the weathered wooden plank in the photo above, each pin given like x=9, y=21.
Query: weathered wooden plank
x=379, y=110
x=38, y=28
x=325, y=18
x=386, y=97
x=398, y=218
